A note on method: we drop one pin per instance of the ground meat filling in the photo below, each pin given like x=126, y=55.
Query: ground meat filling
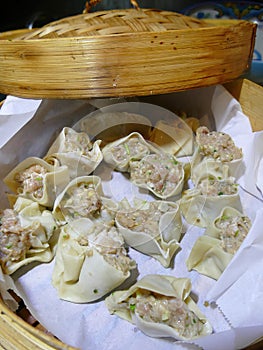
x=14, y=240
x=213, y=187
x=31, y=180
x=233, y=230
x=81, y=201
x=171, y=311
x=110, y=244
x=132, y=148
x=77, y=142
x=146, y=220
x=217, y=145
x=161, y=173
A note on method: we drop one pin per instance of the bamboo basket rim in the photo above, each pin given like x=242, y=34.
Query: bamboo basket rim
x=215, y=24
x=165, y=57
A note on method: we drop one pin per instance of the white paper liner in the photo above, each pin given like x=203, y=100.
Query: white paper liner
x=93, y=326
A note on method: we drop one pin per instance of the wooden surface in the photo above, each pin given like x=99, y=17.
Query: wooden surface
x=135, y=53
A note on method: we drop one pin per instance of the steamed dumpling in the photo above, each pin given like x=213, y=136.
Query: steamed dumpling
x=35, y=179
x=162, y=174
x=202, y=204
x=213, y=251
x=160, y=306
x=27, y=234
x=83, y=197
x=119, y=153
x=91, y=260
x=217, y=147
x=153, y=228
x=75, y=150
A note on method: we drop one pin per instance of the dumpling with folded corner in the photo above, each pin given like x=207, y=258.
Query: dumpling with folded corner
x=35, y=179
x=153, y=228
x=213, y=251
x=91, y=261
x=83, y=197
x=217, y=147
x=160, y=306
x=119, y=153
x=28, y=233
x=162, y=174
x=203, y=203
x=76, y=151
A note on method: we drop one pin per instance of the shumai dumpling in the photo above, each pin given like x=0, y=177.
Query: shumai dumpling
x=27, y=234
x=217, y=146
x=119, y=153
x=202, y=204
x=160, y=306
x=213, y=251
x=162, y=174
x=91, y=261
x=153, y=228
x=35, y=179
x=75, y=150
x=83, y=197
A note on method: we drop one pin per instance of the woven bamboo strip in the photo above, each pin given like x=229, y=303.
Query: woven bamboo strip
x=125, y=64
x=123, y=53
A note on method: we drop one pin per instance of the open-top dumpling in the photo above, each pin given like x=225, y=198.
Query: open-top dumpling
x=35, y=179
x=153, y=228
x=218, y=147
x=91, y=261
x=83, y=197
x=213, y=251
x=162, y=174
x=75, y=150
x=160, y=306
x=27, y=233
x=203, y=203
x=119, y=153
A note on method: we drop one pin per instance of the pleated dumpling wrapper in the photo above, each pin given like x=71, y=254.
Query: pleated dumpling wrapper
x=35, y=179
x=76, y=151
x=83, y=197
x=213, y=251
x=153, y=228
x=218, y=147
x=160, y=306
x=28, y=233
x=161, y=174
x=119, y=153
x=203, y=203
x=91, y=261
x=174, y=137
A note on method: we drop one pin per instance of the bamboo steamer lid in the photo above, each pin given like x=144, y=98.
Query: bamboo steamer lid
x=129, y=52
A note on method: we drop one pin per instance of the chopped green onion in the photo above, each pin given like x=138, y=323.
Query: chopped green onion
x=132, y=307
x=127, y=148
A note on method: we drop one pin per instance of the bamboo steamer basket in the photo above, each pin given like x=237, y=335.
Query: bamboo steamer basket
x=129, y=52
x=148, y=52
x=20, y=331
